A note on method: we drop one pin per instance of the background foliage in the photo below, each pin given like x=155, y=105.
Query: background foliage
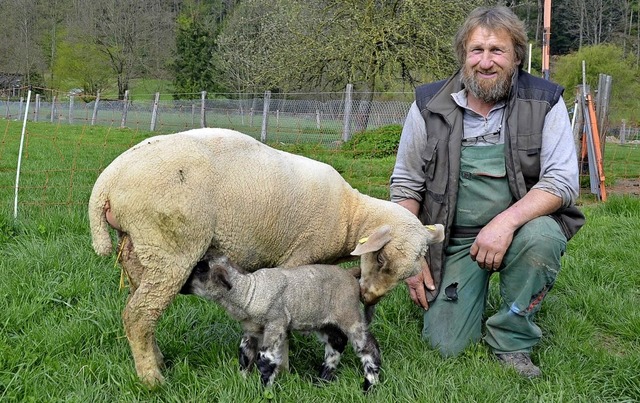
x=230, y=46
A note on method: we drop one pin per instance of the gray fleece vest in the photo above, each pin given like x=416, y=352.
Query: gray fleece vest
x=529, y=101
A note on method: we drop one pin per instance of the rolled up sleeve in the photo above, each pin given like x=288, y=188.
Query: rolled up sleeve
x=407, y=179
x=558, y=160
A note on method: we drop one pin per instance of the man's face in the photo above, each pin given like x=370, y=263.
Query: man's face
x=490, y=64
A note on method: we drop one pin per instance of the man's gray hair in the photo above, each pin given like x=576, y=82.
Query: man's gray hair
x=494, y=19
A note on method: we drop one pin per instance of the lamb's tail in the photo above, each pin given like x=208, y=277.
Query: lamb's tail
x=98, y=205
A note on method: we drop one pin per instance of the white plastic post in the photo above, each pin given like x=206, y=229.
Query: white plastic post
x=24, y=128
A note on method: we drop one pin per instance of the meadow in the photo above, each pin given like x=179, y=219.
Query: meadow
x=61, y=335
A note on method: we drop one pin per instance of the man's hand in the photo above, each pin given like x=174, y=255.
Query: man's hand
x=417, y=284
x=491, y=244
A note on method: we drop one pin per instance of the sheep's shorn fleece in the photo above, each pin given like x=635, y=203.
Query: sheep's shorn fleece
x=173, y=198
x=270, y=302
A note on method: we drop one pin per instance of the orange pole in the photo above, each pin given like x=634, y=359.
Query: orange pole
x=546, y=38
x=596, y=145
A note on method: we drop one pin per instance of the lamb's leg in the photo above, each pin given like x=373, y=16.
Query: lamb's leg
x=156, y=289
x=248, y=352
x=366, y=347
x=335, y=341
x=270, y=355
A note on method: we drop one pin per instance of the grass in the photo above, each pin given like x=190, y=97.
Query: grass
x=61, y=336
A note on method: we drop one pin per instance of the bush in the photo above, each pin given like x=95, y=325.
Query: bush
x=377, y=143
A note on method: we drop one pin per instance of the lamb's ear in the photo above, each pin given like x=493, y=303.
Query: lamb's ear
x=436, y=233
x=356, y=272
x=373, y=242
x=222, y=276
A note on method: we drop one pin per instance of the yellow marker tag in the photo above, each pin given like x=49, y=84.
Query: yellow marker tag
x=363, y=240
x=430, y=227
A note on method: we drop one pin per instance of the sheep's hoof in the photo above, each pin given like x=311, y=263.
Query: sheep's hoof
x=152, y=379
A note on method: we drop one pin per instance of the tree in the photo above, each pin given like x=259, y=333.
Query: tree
x=128, y=33
x=18, y=42
x=601, y=59
x=195, y=70
x=324, y=45
x=80, y=64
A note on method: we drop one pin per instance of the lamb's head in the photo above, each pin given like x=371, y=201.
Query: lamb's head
x=210, y=278
x=390, y=255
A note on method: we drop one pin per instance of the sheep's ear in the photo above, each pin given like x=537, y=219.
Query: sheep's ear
x=373, y=242
x=222, y=276
x=436, y=233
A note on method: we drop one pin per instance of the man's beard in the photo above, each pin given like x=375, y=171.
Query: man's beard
x=489, y=91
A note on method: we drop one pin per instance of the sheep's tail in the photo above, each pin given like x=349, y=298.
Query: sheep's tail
x=98, y=204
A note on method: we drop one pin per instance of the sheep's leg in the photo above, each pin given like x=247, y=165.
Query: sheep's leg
x=270, y=355
x=156, y=289
x=366, y=347
x=335, y=342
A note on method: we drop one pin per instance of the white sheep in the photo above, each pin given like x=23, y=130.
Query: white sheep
x=271, y=302
x=172, y=198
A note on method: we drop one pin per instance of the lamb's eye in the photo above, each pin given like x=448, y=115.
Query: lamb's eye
x=380, y=259
x=201, y=267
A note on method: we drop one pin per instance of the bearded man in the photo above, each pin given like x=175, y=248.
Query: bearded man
x=489, y=153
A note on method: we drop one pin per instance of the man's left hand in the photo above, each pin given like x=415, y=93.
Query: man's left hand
x=491, y=245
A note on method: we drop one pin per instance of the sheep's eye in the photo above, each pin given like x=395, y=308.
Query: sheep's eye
x=380, y=259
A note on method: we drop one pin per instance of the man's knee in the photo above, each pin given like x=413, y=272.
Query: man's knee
x=541, y=235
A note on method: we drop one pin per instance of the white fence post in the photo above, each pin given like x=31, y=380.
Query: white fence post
x=53, y=108
x=125, y=109
x=203, y=111
x=71, y=100
x=265, y=116
x=346, y=128
x=21, y=106
x=154, y=113
x=95, y=109
x=36, y=110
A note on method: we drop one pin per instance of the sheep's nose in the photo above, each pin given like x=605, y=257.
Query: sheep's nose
x=369, y=297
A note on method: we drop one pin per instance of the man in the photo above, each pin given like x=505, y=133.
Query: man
x=490, y=154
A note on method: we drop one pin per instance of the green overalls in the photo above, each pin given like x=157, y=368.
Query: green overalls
x=454, y=318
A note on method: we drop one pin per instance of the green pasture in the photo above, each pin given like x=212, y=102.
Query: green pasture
x=61, y=336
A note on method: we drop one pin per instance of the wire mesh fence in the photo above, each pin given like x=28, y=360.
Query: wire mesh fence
x=330, y=117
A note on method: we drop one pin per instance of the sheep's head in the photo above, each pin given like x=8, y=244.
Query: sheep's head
x=388, y=257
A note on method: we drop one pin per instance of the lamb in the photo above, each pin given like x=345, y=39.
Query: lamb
x=173, y=198
x=271, y=302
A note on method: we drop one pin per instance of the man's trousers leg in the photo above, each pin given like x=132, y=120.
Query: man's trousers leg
x=530, y=266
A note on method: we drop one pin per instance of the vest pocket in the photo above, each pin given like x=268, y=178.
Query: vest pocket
x=430, y=158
